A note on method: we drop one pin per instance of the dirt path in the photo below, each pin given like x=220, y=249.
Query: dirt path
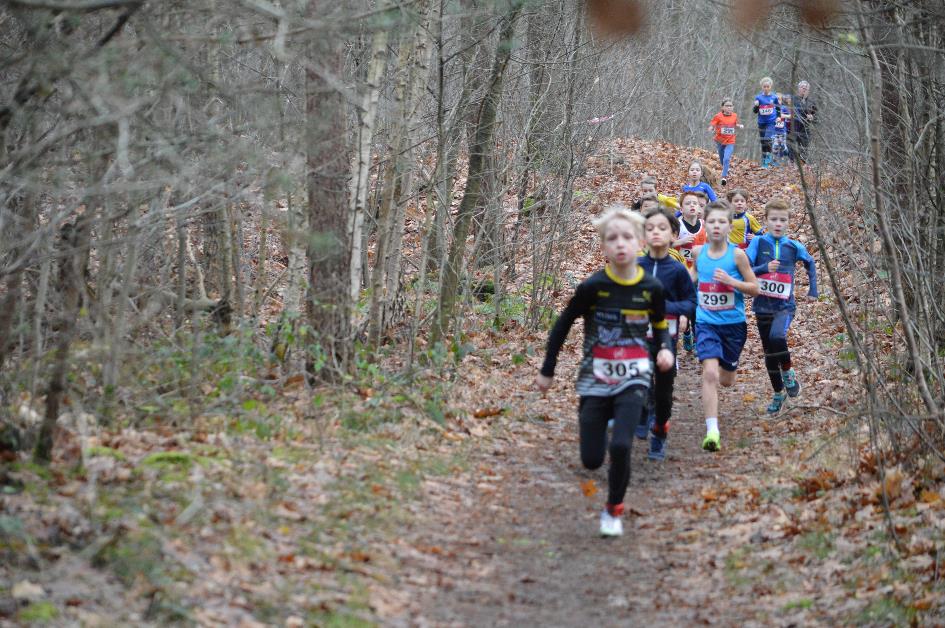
x=517, y=543
x=525, y=551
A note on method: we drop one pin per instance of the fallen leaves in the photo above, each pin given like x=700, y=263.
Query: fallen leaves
x=589, y=488
x=709, y=494
x=930, y=497
x=815, y=486
x=287, y=510
x=483, y=413
x=28, y=591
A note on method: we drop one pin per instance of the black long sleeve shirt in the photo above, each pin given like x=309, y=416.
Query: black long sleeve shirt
x=617, y=315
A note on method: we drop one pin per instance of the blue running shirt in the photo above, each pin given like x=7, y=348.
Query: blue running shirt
x=719, y=303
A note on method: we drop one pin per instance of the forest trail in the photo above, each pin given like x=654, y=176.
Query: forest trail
x=522, y=547
x=529, y=554
x=745, y=536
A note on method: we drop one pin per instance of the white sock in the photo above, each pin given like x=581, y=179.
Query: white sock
x=712, y=423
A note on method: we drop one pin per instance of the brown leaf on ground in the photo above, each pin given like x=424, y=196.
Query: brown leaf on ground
x=812, y=487
x=891, y=486
x=709, y=494
x=483, y=413
x=287, y=511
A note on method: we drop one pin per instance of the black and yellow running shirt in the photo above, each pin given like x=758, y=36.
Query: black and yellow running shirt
x=618, y=315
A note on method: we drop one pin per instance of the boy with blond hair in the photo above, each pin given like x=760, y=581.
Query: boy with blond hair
x=618, y=303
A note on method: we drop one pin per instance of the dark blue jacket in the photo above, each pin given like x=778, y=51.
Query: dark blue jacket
x=802, y=108
x=678, y=289
x=765, y=248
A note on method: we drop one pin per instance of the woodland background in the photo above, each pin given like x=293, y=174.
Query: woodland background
x=206, y=204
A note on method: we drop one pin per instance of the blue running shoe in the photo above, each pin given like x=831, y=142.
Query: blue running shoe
x=644, y=428
x=687, y=342
x=657, y=448
x=776, y=402
x=791, y=385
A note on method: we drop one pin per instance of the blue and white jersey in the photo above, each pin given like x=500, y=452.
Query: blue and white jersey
x=777, y=288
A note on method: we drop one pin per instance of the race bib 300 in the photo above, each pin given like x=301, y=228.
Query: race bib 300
x=776, y=285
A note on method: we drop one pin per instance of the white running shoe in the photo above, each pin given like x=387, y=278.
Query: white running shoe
x=610, y=525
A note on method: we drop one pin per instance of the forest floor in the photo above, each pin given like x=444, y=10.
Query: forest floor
x=458, y=498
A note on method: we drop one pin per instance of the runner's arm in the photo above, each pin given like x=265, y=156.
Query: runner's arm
x=748, y=285
x=752, y=254
x=578, y=306
x=661, y=337
x=811, y=267
x=685, y=291
x=753, y=224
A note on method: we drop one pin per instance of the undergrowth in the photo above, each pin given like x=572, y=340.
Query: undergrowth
x=213, y=439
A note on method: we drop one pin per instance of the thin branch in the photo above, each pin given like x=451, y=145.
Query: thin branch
x=80, y=6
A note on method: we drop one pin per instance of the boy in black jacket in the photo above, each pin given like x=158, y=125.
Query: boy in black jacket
x=661, y=228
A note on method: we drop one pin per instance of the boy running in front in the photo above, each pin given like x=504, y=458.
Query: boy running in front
x=618, y=303
x=680, y=296
x=773, y=258
x=724, y=277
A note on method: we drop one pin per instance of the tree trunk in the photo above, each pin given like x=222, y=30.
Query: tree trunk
x=361, y=164
x=412, y=63
x=485, y=130
x=327, y=166
x=74, y=254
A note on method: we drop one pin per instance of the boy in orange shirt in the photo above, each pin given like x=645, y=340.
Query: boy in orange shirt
x=724, y=124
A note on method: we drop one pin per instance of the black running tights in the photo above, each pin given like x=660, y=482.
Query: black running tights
x=593, y=415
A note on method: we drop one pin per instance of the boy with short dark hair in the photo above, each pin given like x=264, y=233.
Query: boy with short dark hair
x=680, y=296
x=647, y=187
